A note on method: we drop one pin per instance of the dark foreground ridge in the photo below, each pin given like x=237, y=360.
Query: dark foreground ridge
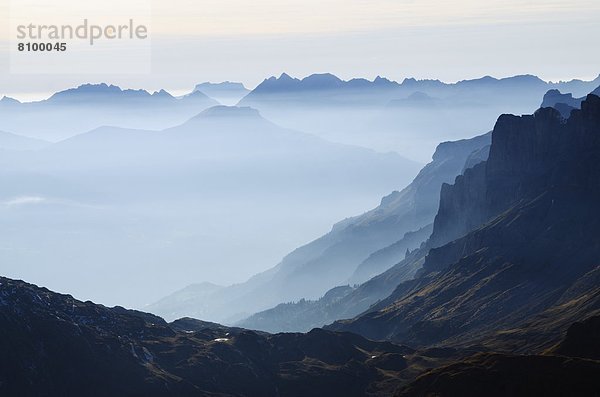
x=569, y=369
x=54, y=345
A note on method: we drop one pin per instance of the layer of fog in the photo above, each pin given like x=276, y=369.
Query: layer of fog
x=127, y=216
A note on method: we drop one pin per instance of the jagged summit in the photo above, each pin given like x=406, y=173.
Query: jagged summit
x=8, y=100
x=162, y=93
x=105, y=93
x=285, y=77
x=318, y=82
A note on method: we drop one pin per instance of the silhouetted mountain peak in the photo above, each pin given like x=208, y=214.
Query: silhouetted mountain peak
x=225, y=85
x=229, y=112
x=410, y=82
x=554, y=96
x=322, y=81
x=100, y=91
x=197, y=94
x=162, y=93
x=277, y=84
x=318, y=82
x=226, y=92
x=564, y=103
x=382, y=80
x=8, y=100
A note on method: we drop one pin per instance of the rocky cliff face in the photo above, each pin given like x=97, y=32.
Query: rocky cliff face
x=529, y=155
x=528, y=265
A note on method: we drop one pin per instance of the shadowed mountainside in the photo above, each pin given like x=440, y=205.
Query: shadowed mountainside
x=569, y=369
x=364, y=235
x=529, y=268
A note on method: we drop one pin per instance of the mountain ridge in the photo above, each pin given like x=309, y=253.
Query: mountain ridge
x=539, y=182
x=53, y=344
x=400, y=215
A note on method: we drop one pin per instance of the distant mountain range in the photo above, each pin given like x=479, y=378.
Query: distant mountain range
x=89, y=106
x=330, y=87
x=410, y=117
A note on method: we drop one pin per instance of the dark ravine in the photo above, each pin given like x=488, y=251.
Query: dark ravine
x=530, y=269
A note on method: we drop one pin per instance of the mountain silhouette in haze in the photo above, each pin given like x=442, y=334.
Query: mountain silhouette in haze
x=77, y=110
x=226, y=169
x=17, y=142
x=410, y=117
x=227, y=93
x=345, y=254
x=564, y=103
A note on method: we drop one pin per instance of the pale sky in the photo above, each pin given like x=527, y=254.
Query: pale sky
x=215, y=40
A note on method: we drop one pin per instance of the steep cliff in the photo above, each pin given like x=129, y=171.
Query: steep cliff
x=531, y=266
